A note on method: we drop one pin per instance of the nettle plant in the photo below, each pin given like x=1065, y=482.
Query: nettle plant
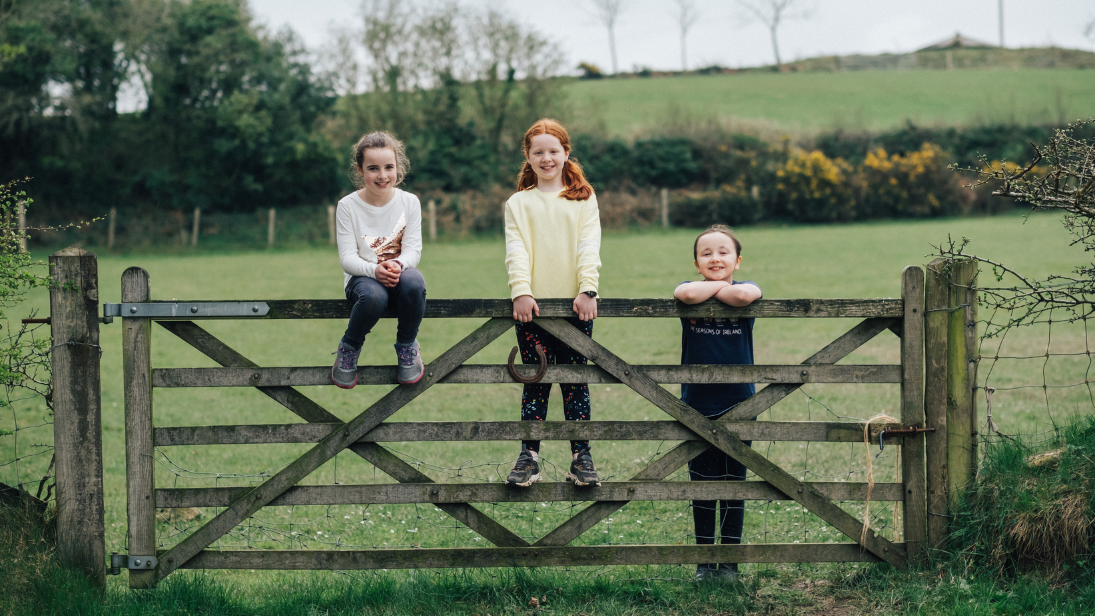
x=1061, y=176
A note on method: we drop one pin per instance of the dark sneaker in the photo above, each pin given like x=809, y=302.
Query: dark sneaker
x=706, y=572
x=344, y=372
x=526, y=471
x=582, y=472
x=728, y=572
x=410, y=369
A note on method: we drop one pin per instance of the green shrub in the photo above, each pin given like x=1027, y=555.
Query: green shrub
x=916, y=185
x=811, y=187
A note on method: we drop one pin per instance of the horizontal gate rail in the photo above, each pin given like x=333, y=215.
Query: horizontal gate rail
x=606, y=307
x=403, y=494
x=436, y=558
x=395, y=432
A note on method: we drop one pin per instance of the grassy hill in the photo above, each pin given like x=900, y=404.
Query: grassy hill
x=775, y=103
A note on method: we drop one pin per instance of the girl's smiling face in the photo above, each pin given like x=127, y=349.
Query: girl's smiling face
x=546, y=156
x=378, y=169
x=717, y=257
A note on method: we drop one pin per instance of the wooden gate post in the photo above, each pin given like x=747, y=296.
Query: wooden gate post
x=961, y=376
x=137, y=376
x=912, y=409
x=935, y=400
x=77, y=419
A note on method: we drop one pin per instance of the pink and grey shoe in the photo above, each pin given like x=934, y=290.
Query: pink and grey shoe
x=344, y=372
x=411, y=368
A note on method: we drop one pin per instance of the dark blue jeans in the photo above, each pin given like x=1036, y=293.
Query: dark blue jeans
x=370, y=299
x=715, y=465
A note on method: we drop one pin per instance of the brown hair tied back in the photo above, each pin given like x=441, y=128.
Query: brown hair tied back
x=575, y=185
x=716, y=229
x=378, y=139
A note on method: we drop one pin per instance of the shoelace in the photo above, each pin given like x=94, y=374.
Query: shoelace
x=584, y=464
x=349, y=356
x=406, y=356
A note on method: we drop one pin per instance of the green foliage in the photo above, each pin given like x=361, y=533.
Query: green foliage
x=15, y=275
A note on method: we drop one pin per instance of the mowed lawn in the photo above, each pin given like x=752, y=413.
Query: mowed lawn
x=849, y=261
x=862, y=100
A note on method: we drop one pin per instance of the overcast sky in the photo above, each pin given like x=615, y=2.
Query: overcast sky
x=647, y=34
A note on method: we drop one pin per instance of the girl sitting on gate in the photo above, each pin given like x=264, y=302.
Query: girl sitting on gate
x=379, y=245
x=553, y=245
x=717, y=254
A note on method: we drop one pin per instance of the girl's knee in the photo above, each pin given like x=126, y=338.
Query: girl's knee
x=412, y=281
x=371, y=297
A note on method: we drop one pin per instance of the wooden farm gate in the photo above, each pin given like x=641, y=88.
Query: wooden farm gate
x=364, y=434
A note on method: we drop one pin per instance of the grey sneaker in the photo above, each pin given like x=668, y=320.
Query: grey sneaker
x=410, y=369
x=344, y=372
x=582, y=472
x=526, y=471
x=706, y=572
x=728, y=572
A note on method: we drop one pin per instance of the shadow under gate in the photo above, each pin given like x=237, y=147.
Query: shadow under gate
x=363, y=434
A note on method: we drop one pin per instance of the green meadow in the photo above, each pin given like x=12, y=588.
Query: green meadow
x=847, y=261
x=859, y=100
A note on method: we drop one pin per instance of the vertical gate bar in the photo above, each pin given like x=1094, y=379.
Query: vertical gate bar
x=77, y=417
x=912, y=409
x=935, y=400
x=137, y=374
x=961, y=421
x=973, y=358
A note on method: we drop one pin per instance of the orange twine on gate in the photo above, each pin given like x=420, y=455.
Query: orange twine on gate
x=870, y=477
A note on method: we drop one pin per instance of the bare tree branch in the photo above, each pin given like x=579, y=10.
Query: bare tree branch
x=608, y=12
x=772, y=13
x=687, y=16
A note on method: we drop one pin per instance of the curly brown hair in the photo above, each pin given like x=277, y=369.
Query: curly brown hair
x=378, y=139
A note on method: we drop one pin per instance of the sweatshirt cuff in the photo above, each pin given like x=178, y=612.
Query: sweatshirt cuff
x=587, y=287
x=519, y=289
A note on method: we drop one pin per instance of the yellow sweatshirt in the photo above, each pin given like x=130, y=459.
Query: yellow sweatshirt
x=553, y=246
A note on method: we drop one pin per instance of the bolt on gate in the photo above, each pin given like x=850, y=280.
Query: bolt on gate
x=364, y=434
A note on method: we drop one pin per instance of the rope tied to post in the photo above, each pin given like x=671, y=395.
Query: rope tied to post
x=870, y=475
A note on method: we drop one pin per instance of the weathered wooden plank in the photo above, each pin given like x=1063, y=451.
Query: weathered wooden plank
x=830, y=354
x=968, y=288
x=441, y=558
x=606, y=307
x=77, y=417
x=718, y=436
x=307, y=409
x=961, y=419
x=137, y=378
x=326, y=449
x=479, y=373
x=393, y=432
x=935, y=402
x=912, y=410
x=409, y=493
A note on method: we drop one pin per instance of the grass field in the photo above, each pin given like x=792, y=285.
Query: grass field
x=863, y=260
x=809, y=102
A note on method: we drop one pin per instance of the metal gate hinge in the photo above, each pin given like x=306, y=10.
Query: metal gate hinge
x=123, y=561
x=186, y=310
x=912, y=430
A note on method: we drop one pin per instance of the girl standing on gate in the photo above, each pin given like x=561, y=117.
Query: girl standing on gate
x=379, y=245
x=553, y=245
x=717, y=254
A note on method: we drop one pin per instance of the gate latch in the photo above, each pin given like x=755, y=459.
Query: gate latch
x=186, y=310
x=124, y=561
x=912, y=430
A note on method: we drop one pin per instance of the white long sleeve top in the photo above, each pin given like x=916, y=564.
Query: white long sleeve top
x=368, y=235
x=553, y=246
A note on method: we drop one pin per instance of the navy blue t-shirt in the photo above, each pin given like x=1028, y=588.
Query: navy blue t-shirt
x=717, y=341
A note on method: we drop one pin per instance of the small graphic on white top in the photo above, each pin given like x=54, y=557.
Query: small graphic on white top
x=390, y=247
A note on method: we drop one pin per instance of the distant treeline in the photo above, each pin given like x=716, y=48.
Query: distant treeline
x=239, y=120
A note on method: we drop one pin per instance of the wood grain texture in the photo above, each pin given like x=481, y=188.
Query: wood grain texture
x=935, y=402
x=442, y=558
x=912, y=410
x=606, y=307
x=961, y=418
x=718, y=436
x=479, y=373
x=139, y=467
x=393, y=432
x=77, y=413
x=326, y=449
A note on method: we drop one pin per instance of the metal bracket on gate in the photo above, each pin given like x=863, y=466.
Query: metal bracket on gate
x=186, y=310
x=910, y=431
x=123, y=561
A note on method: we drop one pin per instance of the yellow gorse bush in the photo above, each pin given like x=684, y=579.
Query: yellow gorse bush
x=813, y=187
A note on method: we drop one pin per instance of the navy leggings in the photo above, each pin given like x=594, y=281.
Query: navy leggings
x=715, y=465
x=370, y=299
x=534, y=398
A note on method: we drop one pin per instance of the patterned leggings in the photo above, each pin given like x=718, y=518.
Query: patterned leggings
x=534, y=399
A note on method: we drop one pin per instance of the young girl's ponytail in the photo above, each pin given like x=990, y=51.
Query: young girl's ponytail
x=575, y=185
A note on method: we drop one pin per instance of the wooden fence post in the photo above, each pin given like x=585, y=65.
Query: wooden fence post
x=110, y=228
x=961, y=376
x=77, y=419
x=432, y=208
x=137, y=376
x=935, y=401
x=331, y=224
x=665, y=208
x=912, y=409
x=197, y=226
x=270, y=229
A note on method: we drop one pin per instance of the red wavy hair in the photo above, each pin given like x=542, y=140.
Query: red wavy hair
x=575, y=185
